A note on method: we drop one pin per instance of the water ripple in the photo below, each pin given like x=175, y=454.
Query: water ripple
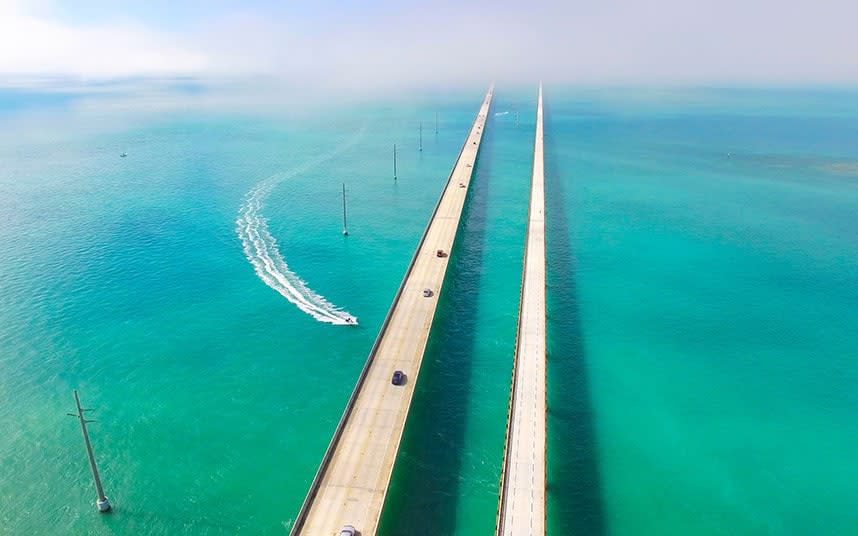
x=261, y=248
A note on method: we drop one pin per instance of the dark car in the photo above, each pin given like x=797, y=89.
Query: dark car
x=398, y=378
x=440, y=253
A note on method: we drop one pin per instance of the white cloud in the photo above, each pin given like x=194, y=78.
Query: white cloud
x=39, y=45
x=443, y=43
x=615, y=41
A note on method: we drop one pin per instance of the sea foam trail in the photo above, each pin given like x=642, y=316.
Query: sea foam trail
x=261, y=249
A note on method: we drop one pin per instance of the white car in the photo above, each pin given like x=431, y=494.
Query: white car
x=348, y=530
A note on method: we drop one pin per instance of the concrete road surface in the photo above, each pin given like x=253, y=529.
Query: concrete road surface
x=522, y=501
x=352, y=482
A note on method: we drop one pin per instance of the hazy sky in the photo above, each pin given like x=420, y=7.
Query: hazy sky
x=370, y=43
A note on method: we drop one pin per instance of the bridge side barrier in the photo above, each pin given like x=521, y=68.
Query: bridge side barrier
x=326, y=459
x=504, y=483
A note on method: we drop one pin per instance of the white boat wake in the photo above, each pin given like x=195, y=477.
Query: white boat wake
x=260, y=247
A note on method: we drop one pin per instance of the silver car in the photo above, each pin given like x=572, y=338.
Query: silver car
x=349, y=530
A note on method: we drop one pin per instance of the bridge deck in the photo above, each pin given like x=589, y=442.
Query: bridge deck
x=353, y=478
x=522, y=499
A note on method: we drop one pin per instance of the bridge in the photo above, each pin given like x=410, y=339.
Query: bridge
x=352, y=480
x=521, y=508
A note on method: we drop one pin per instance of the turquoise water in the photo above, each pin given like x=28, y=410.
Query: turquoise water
x=704, y=266
x=702, y=304
x=449, y=465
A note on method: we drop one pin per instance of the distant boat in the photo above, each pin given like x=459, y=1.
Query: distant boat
x=123, y=155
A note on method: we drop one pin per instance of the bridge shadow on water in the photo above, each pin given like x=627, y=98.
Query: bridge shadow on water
x=573, y=480
x=424, y=492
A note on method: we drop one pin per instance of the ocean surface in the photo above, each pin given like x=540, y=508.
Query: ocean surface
x=703, y=304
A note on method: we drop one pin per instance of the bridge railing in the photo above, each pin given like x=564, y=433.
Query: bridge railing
x=504, y=482
x=338, y=432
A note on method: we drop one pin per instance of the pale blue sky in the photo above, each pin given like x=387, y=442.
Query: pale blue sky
x=177, y=15
x=389, y=43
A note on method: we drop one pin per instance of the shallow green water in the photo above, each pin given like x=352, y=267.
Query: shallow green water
x=702, y=304
x=706, y=268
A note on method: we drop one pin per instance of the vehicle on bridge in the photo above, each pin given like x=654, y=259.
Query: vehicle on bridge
x=398, y=378
x=440, y=253
x=349, y=530
x=427, y=292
